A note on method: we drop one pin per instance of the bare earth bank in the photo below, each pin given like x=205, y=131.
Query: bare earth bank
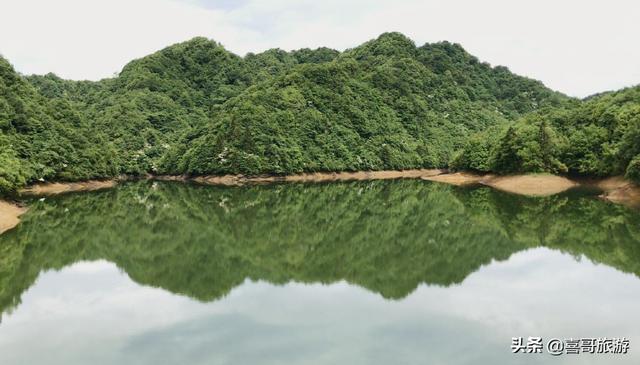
x=59, y=188
x=458, y=178
x=615, y=189
x=533, y=185
x=44, y=189
x=315, y=177
x=9, y=215
x=619, y=190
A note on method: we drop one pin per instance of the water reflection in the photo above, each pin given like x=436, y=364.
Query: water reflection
x=385, y=236
x=93, y=313
x=355, y=273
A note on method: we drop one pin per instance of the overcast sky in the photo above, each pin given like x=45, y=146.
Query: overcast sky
x=579, y=47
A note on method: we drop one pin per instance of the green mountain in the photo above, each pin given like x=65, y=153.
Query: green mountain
x=384, y=105
x=195, y=108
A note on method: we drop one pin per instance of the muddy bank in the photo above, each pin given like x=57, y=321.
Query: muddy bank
x=311, y=177
x=59, y=188
x=9, y=215
x=531, y=185
x=616, y=189
x=619, y=190
x=45, y=189
x=458, y=178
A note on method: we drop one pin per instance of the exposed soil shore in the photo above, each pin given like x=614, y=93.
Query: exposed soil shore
x=532, y=185
x=619, y=190
x=312, y=177
x=44, y=189
x=59, y=187
x=458, y=178
x=9, y=215
x=615, y=189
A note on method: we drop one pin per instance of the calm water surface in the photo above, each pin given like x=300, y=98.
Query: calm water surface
x=380, y=272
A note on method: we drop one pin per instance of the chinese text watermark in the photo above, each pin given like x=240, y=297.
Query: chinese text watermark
x=570, y=346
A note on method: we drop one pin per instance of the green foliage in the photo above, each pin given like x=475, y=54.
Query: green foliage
x=12, y=171
x=585, y=150
x=46, y=138
x=604, y=132
x=384, y=105
x=528, y=146
x=598, y=137
x=478, y=152
x=195, y=108
x=633, y=170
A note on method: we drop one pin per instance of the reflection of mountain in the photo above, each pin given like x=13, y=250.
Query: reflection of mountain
x=386, y=236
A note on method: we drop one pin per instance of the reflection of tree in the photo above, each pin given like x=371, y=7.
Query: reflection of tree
x=386, y=236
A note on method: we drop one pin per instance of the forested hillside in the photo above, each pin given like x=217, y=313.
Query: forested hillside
x=384, y=105
x=46, y=138
x=195, y=108
x=598, y=137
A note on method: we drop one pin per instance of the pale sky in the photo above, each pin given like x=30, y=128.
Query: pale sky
x=579, y=47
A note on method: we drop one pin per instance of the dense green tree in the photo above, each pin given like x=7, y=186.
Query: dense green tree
x=195, y=108
x=599, y=136
x=506, y=158
x=633, y=170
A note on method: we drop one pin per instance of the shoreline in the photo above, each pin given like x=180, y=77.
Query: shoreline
x=10, y=215
x=525, y=184
x=615, y=189
x=55, y=188
x=619, y=190
x=315, y=177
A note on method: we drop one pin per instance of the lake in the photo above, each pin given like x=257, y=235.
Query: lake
x=368, y=272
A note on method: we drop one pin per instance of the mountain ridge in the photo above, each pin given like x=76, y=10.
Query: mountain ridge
x=196, y=108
